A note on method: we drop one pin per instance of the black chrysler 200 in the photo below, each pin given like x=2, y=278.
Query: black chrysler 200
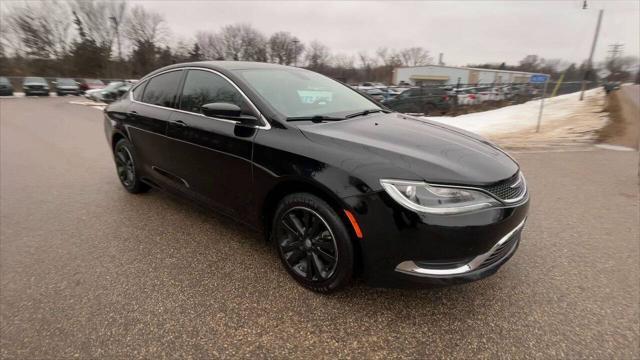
x=341, y=185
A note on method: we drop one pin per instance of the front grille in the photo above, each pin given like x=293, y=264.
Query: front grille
x=509, y=189
x=501, y=251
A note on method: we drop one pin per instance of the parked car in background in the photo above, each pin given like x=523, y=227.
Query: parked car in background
x=375, y=94
x=490, y=94
x=66, y=86
x=422, y=100
x=392, y=91
x=370, y=85
x=6, y=89
x=466, y=96
x=91, y=84
x=113, y=91
x=32, y=85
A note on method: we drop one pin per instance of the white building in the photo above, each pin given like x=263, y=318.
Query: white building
x=451, y=75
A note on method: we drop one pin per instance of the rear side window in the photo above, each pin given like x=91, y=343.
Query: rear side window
x=138, y=91
x=204, y=87
x=161, y=90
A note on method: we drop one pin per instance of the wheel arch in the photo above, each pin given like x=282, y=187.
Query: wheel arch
x=296, y=185
x=117, y=136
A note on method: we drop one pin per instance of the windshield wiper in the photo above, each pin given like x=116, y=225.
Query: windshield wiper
x=364, y=112
x=314, y=118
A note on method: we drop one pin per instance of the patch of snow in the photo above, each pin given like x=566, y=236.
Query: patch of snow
x=519, y=117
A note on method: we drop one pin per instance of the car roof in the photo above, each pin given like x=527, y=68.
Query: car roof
x=222, y=66
x=228, y=65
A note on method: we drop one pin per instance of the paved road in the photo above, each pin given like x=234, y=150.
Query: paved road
x=633, y=93
x=89, y=271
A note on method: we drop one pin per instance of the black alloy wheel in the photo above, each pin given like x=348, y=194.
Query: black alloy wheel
x=124, y=157
x=313, y=243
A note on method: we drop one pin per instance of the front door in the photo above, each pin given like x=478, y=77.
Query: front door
x=212, y=155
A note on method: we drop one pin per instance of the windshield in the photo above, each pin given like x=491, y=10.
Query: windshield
x=301, y=93
x=35, y=80
x=66, y=82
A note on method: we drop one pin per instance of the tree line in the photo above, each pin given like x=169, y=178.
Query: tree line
x=112, y=39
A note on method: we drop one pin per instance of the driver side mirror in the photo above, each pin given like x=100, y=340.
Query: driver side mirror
x=228, y=111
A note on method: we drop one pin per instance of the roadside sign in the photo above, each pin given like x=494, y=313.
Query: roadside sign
x=538, y=79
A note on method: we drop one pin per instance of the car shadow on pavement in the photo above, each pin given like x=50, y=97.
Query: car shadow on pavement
x=225, y=235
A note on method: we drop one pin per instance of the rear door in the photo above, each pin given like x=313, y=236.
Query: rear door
x=212, y=155
x=146, y=123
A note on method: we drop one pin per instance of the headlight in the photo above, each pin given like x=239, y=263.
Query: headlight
x=436, y=199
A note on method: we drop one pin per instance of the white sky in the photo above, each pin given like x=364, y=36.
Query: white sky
x=465, y=31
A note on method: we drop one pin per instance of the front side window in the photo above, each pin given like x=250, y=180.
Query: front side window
x=297, y=92
x=204, y=87
x=161, y=90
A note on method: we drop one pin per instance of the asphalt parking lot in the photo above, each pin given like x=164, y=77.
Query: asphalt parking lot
x=88, y=270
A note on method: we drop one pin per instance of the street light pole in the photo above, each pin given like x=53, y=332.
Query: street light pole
x=589, y=62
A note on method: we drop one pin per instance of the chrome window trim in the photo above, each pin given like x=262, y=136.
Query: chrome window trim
x=411, y=268
x=265, y=126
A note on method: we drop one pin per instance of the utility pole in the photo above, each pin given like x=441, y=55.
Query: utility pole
x=593, y=48
x=295, y=52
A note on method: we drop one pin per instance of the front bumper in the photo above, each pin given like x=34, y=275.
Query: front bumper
x=35, y=91
x=402, y=248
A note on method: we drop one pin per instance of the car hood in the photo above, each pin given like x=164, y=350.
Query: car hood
x=399, y=146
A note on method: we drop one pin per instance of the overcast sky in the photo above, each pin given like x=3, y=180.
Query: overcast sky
x=465, y=31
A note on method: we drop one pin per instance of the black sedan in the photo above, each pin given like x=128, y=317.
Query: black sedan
x=339, y=184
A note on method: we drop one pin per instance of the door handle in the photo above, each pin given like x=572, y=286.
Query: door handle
x=133, y=113
x=180, y=123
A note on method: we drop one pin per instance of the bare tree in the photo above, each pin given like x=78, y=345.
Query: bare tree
x=146, y=26
x=97, y=19
x=231, y=40
x=389, y=57
x=366, y=61
x=415, y=56
x=211, y=45
x=343, y=61
x=243, y=42
x=317, y=55
x=285, y=48
x=254, y=44
x=41, y=28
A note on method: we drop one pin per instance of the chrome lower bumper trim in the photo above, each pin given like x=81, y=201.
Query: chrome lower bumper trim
x=410, y=267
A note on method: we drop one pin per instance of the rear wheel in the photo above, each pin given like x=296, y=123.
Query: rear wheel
x=429, y=109
x=313, y=243
x=126, y=167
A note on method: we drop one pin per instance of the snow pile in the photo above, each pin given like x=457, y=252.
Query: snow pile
x=524, y=116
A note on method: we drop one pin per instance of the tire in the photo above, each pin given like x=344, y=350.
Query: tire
x=429, y=109
x=128, y=171
x=59, y=93
x=326, y=237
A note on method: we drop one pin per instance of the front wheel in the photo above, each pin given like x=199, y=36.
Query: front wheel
x=313, y=243
x=126, y=167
